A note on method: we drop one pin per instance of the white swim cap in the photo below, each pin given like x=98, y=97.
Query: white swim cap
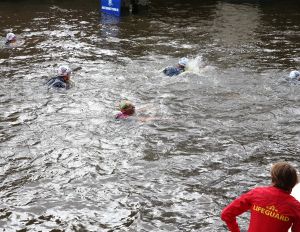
x=10, y=36
x=183, y=61
x=294, y=74
x=64, y=71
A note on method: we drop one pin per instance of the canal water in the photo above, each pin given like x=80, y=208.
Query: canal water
x=198, y=140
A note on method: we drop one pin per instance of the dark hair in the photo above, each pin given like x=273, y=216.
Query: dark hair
x=284, y=176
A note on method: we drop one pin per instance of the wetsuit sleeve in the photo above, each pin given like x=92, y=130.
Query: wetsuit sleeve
x=57, y=82
x=235, y=208
x=50, y=82
x=60, y=84
x=118, y=115
x=171, y=71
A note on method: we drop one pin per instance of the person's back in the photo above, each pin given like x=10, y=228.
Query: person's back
x=173, y=71
x=57, y=82
x=272, y=208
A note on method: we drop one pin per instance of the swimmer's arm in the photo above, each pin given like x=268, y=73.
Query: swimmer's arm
x=51, y=81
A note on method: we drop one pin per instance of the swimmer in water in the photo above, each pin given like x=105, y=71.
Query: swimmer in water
x=294, y=75
x=127, y=109
x=62, y=80
x=179, y=68
x=10, y=38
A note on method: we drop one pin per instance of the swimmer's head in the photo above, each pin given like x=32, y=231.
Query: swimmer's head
x=294, y=74
x=64, y=71
x=11, y=38
x=183, y=61
x=127, y=107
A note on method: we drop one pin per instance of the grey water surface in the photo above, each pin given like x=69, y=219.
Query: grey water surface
x=199, y=139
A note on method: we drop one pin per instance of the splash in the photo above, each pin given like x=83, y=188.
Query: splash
x=198, y=66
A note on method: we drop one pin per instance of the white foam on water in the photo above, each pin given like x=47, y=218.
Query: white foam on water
x=194, y=65
x=198, y=66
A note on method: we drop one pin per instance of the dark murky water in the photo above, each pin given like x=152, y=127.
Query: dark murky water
x=67, y=165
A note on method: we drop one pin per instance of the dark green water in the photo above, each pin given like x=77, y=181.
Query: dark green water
x=212, y=133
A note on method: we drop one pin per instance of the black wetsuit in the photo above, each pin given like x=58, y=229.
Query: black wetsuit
x=173, y=71
x=58, y=82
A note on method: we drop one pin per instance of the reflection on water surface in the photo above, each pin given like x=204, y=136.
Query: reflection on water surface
x=67, y=165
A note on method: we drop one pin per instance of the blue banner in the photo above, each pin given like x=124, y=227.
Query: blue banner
x=111, y=7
